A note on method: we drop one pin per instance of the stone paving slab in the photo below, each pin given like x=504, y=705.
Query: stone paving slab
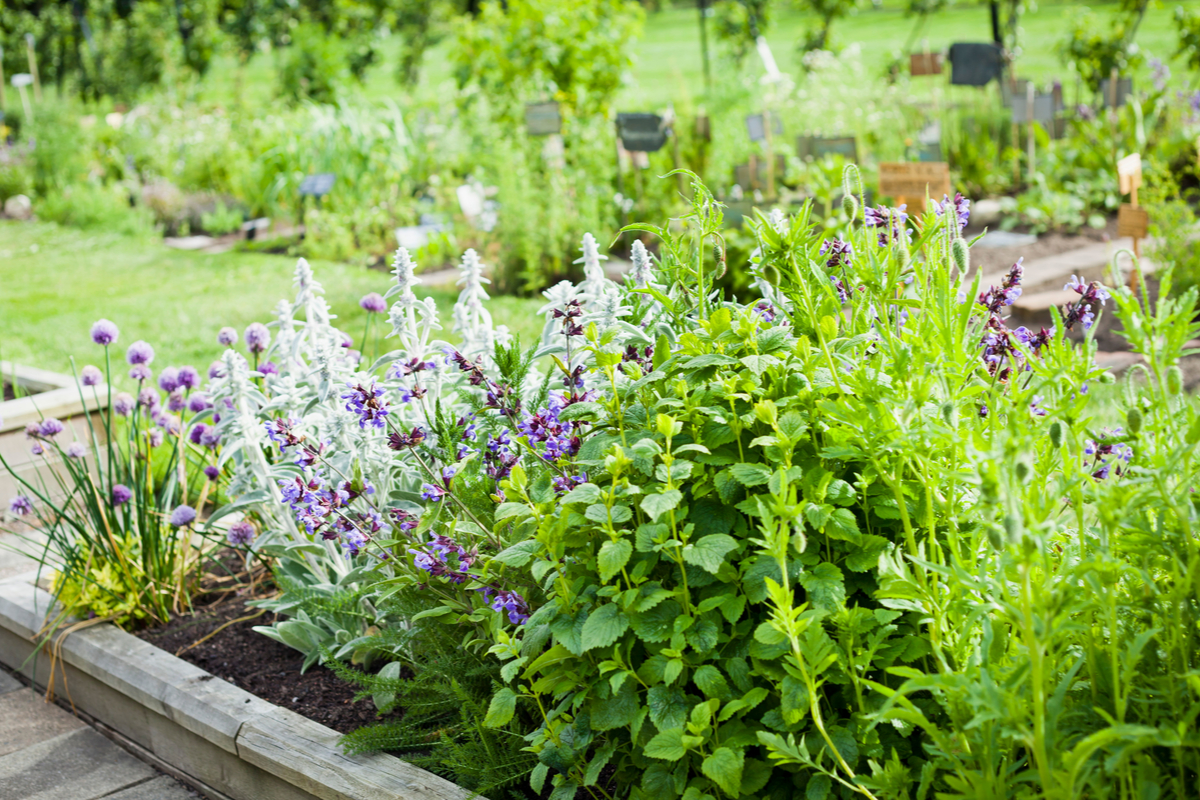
x=8, y=683
x=26, y=719
x=80, y=765
x=1090, y=262
x=161, y=788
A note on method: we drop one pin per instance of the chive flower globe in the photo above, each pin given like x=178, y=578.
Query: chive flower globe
x=105, y=332
x=49, y=428
x=156, y=438
x=227, y=336
x=76, y=450
x=123, y=404
x=121, y=494
x=182, y=516
x=140, y=373
x=373, y=303
x=211, y=472
x=168, y=380
x=139, y=352
x=21, y=505
x=240, y=533
x=215, y=370
x=257, y=337
x=189, y=378
x=91, y=376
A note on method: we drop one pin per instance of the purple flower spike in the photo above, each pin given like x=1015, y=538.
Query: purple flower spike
x=432, y=493
x=168, y=379
x=240, y=533
x=513, y=603
x=21, y=505
x=139, y=353
x=373, y=303
x=49, y=428
x=227, y=336
x=182, y=516
x=121, y=494
x=960, y=205
x=189, y=378
x=257, y=337
x=366, y=402
x=91, y=376
x=104, y=332
x=123, y=404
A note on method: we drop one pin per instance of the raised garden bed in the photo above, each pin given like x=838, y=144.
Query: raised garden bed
x=223, y=740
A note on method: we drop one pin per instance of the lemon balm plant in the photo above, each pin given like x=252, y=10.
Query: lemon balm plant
x=117, y=507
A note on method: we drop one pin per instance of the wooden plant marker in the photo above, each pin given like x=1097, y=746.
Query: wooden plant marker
x=914, y=181
x=1132, y=220
x=925, y=64
x=761, y=127
x=3, y=103
x=33, y=70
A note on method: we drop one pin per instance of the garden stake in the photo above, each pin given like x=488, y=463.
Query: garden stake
x=33, y=70
x=1029, y=138
x=3, y=103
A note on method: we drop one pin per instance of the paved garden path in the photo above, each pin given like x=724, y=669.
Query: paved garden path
x=48, y=754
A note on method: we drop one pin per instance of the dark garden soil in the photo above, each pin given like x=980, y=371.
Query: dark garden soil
x=262, y=666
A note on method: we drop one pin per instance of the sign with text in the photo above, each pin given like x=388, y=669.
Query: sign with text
x=317, y=185
x=1132, y=221
x=912, y=180
x=543, y=119
x=757, y=180
x=756, y=127
x=641, y=133
x=925, y=64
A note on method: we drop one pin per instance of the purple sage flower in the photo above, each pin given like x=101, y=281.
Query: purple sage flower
x=373, y=303
x=121, y=494
x=123, y=404
x=91, y=376
x=183, y=515
x=257, y=337
x=227, y=336
x=139, y=352
x=21, y=505
x=960, y=205
x=366, y=402
x=513, y=603
x=197, y=432
x=104, y=332
x=240, y=533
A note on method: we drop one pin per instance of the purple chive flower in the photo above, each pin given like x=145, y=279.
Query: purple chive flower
x=189, y=378
x=366, y=403
x=960, y=205
x=211, y=472
x=91, y=376
x=49, y=428
x=140, y=373
x=76, y=450
x=257, y=337
x=215, y=370
x=197, y=403
x=240, y=534
x=37, y=449
x=268, y=368
x=121, y=494
x=210, y=438
x=176, y=402
x=183, y=515
x=373, y=303
x=21, y=505
x=139, y=353
x=168, y=379
x=123, y=404
x=149, y=398
x=197, y=432
x=104, y=332
x=227, y=336
x=156, y=437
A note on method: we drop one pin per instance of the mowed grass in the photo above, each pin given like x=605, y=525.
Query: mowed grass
x=55, y=282
x=668, y=66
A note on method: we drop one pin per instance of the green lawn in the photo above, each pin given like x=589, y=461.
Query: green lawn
x=57, y=281
x=668, y=66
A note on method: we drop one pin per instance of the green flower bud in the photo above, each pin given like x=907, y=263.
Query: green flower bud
x=1133, y=420
x=905, y=259
x=1022, y=470
x=1013, y=527
x=949, y=413
x=850, y=205
x=961, y=254
x=1107, y=378
x=1175, y=380
x=993, y=534
x=1193, y=433
x=1057, y=433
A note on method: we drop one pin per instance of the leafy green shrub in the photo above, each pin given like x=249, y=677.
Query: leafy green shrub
x=314, y=66
x=85, y=205
x=222, y=219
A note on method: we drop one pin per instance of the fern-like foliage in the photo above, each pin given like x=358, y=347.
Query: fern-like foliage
x=443, y=691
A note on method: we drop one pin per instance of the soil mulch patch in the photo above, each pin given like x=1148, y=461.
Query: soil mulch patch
x=260, y=665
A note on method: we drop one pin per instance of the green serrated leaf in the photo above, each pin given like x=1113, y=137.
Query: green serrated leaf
x=655, y=505
x=613, y=557
x=501, y=709
x=603, y=627
x=724, y=767
x=709, y=552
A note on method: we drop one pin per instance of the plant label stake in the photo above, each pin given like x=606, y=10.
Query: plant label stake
x=761, y=127
x=33, y=70
x=1030, y=96
x=914, y=181
x=3, y=102
x=543, y=119
x=21, y=80
x=925, y=64
x=316, y=186
x=1132, y=220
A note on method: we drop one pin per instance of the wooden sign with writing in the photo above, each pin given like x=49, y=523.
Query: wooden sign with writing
x=1129, y=173
x=1132, y=221
x=925, y=64
x=912, y=180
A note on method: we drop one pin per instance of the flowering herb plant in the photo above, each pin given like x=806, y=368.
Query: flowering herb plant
x=118, y=502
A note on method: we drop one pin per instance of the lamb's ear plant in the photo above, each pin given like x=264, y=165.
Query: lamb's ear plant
x=115, y=508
